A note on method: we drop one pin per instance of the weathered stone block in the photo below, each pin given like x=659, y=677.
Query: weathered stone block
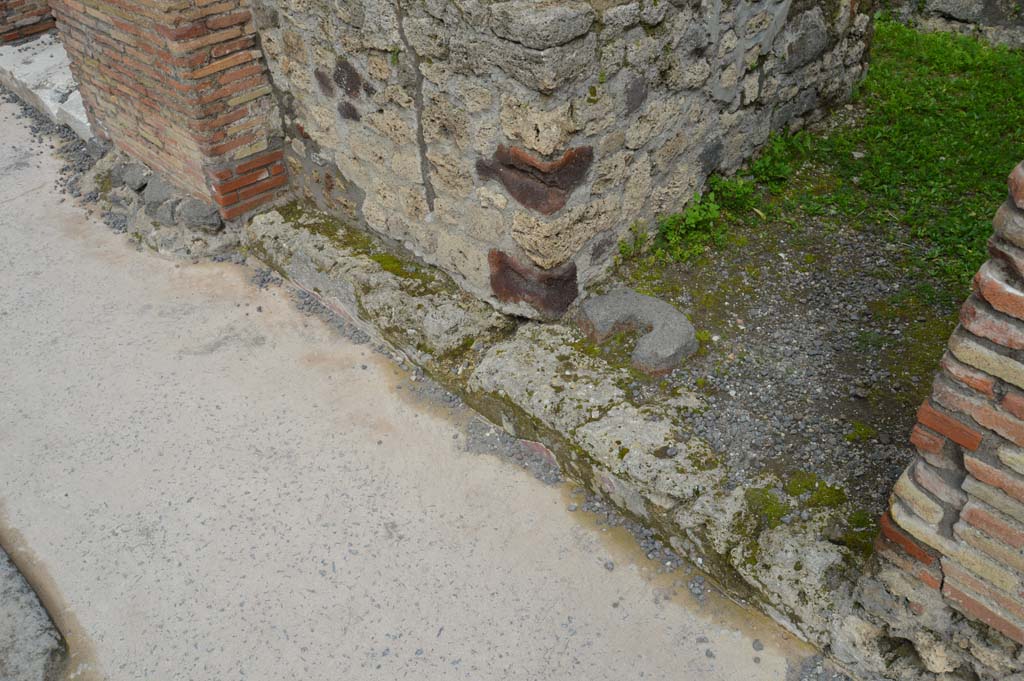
x=667, y=337
x=544, y=129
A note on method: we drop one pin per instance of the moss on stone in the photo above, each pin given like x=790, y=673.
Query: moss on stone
x=766, y=505
x=703, y=458
x=103, y=183
x=861, y=432
x=396, y=266
x=826, y=496
x=801, y=482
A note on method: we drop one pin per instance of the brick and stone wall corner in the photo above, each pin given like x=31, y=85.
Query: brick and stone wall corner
x=183, y=87
x=956, y=518
x=23, y=18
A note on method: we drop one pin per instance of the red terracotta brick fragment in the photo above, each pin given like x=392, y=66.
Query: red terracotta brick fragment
x=969, y=376
x=908, y=544
x=961, y=575
x=994, y=476
x=550, y=292
x=1016, y=185
x=995, y=285
x=993, y=523
x=926, y=441
x=974, y=608
x=955, y=430
x=984, y=412
x=981, y=320
x=1013, y=402
x=929, y=576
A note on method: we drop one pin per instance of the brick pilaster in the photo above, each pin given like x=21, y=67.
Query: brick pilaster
x=956, y=518
x=182, y=86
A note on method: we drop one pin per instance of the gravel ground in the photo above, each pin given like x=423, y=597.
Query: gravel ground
x=801, y=360
x=30, y=647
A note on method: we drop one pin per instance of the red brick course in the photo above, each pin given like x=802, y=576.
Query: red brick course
x=23, y=18
x=180, y=87
x=973, y=425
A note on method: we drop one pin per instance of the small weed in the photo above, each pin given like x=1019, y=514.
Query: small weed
x=684, y=236
x=635, y=243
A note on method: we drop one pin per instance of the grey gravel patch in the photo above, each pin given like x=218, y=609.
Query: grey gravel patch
x=790, y=368
x=31, y=649
x=486, y=438
x=118, y=222
x=264, y=278
x=310, y=304
x=654, y=549
x=816, y=668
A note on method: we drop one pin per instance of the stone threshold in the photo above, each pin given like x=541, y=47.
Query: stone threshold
x=38, y=71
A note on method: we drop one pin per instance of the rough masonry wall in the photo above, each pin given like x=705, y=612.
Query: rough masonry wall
x=512, y=143
x=997, y=21
x=22, y=18
x=180, y=85
x=950, y=552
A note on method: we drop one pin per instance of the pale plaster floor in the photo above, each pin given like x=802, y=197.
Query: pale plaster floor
x=202, y=490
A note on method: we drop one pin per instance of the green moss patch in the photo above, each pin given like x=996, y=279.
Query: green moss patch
x=767, y=506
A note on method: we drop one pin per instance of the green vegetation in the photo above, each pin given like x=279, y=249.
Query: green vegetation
x=861, y=432
x=820, y=494
x=765, y=504
x=938, y=125
x=354, y=240
x=918, y=162
x=860, y=535
x=941, y=125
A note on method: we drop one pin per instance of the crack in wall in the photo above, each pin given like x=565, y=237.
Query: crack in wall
x=428, y=187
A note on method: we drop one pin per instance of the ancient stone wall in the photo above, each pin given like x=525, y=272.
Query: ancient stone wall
x=22, y=18
x=513, y=143
x=997, y=21
x=182, y=86
x=949, y=554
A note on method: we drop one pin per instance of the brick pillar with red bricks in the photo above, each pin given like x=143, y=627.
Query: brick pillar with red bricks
x=956, y=518
x=23, y=18
x=182, y=86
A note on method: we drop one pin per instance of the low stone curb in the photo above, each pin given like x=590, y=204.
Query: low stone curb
x=547, y=383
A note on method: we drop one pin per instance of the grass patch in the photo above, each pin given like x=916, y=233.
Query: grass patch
x=942, y=126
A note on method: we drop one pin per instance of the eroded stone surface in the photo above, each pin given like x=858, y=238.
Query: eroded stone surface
x=538, y=382
x=667, y=337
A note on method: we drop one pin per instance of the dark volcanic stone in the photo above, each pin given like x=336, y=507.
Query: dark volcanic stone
x=668, y=338
x=323, y=79
x=636, y=94
x=348, y=111
x=200, y=215
x=347, y=78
